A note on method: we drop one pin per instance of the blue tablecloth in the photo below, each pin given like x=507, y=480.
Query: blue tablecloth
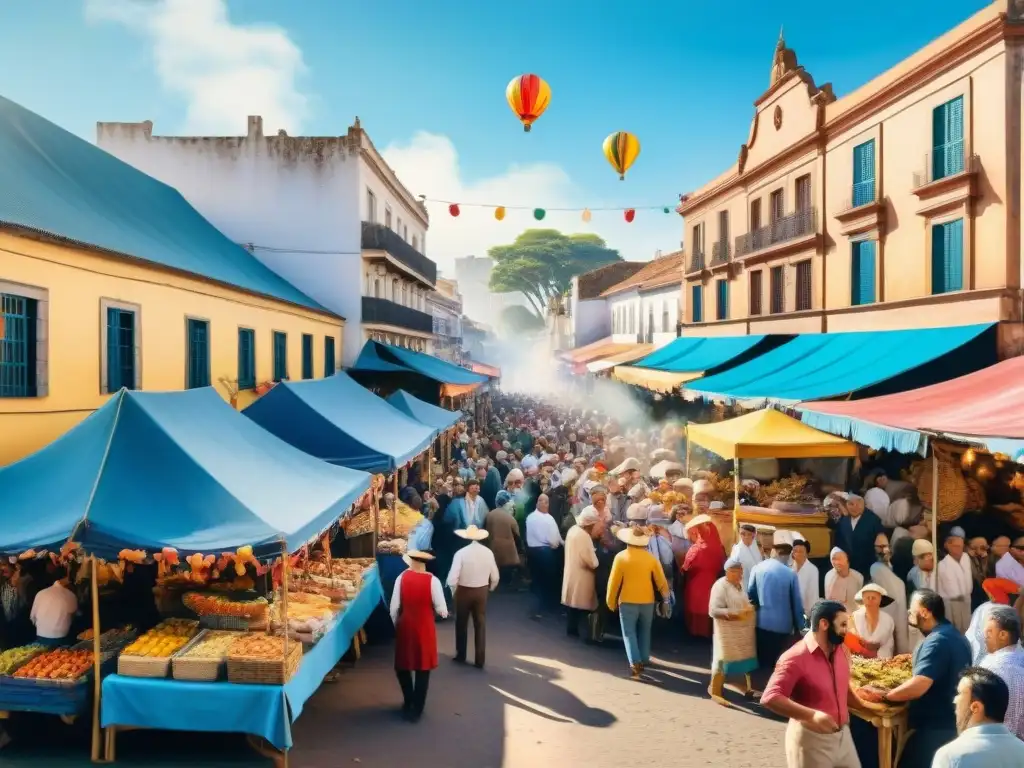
x=177, y=705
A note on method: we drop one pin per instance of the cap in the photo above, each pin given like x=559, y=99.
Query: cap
x=922, y=547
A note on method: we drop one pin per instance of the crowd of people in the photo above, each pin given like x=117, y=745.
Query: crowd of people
x=604, y=526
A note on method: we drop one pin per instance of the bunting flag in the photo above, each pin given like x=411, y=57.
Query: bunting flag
x=629, y=213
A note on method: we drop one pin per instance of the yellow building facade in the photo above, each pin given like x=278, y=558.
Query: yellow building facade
x=896, y=206
x=71, y=292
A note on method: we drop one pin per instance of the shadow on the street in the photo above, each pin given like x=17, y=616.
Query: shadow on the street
x=532, y=687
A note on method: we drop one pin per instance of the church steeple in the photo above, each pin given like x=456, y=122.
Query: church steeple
x=784, y=60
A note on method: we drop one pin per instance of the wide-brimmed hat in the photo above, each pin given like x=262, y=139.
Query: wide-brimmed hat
x=1001, y=591
x=628, y=465
x=886, y=600
x=634, y=536
x=662, y=454
x=472, y=533
x=415, y=554
x=662, y=469
x=698, y=520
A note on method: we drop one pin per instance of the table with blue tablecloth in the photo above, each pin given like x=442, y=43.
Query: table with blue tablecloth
x=223, y=707
x=390, y=567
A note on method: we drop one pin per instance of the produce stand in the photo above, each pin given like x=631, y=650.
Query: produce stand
x=891, y=723
x=266, y=711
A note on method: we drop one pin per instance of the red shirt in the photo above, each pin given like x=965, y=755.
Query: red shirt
x=805, y=675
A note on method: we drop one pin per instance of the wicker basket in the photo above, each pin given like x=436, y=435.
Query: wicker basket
x=976, y=497
x=952, y=500
x=264, y=671
x=143, y=666
x=737, y=639
x=197, y=670
x=230, y=623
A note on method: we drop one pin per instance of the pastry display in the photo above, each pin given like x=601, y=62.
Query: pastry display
x=213, y=645
x=258, y=646
x=392, y=546
x=13, y=658
x=58, y=664
x=164, y=640
x=218, y=605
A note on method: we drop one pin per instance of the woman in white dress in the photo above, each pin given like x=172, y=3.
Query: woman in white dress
x=874, y=627
x=729, y=603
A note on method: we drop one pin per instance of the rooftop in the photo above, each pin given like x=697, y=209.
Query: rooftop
x=661, y=271
x=58, y=185
x=590, y=285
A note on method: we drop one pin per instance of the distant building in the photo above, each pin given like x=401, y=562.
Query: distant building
x=109, y=279
x=326, y=213
x=644, y=308
x=445, y=303
x=587, y=309
x=473, y=274
x=895, y=206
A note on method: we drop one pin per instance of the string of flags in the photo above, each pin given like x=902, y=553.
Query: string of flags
x=586, y=214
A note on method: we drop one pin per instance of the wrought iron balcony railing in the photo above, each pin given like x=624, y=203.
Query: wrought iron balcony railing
x=792, y=227
x=388, y=312
x=720, y=252
x=380, y=238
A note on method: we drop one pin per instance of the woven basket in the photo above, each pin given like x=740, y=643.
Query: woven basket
x=264, y=671
x=143, y=666
x=976, y=497
x=737, y=638
x=230, y=623
x=952, y=500
x=197, y=670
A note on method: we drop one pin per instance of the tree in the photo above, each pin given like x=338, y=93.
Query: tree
x=541, y=263
x=517, y=319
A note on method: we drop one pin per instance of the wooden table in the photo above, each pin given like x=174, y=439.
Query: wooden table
x=891, y=723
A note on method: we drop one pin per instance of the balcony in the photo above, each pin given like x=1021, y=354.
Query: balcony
x=696, y=262
x=385, y=312
x=863, y=211
x=720, y=253
x=948, y=178
x=788, y=232
x=377, y=237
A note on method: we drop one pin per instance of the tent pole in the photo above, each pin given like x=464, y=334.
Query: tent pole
x=935, y=509
x=285, y=568
x=97, y=683
x=735, y=497
x=394, y=511
x=687, y=433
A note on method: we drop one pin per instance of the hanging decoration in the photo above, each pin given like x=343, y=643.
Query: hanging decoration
x=499, y=212
x=453, y=209
x=622, y=150
x=587, y=215
x=528, y=96
x=630, y=214
x=539, y=213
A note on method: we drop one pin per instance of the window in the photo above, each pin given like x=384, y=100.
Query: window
x=948, y=139
x=18, y=348
x=803, y=193
x=416, y=242
x=119, y=355
x=864, y=173
x=756, y=290
x=280, y=356
x=246, y=358
x=948, y=257
x=697, y=303
x=398, y=228
x=664, y=317
x=862, y=279
x=405, y=233
x=778, y=291
x=698, y=238
x=755, y=215
x=722, y=300
x=803, y=285
x=307, y=356
x=198, y=353
x=650, y=319
x=376, y=287
x=330, y=367
x=777, y=201
x=387, y=215
x=371, y=206
x=723, y=229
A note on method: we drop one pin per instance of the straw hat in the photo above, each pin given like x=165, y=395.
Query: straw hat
x=415, y=554
x=698, y=520
x=472, y=533
x=886, y=600
x=634, y=537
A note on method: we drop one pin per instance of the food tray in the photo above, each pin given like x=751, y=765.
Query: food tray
x=143, y=666
x=242, y=669
x=9, y=681
x=197, y=670
x=230, y=623
x=111, y=641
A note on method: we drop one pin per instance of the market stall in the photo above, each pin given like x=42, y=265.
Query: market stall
x=174, y=474
x=428, y=377
x=769, y=434
x=890, y=720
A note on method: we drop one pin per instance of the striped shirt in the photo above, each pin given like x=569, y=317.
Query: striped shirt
x=1008, y=663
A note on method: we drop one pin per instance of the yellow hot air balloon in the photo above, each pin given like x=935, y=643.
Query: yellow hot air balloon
x=499, y=212
x=621, y=149
x=528, y=95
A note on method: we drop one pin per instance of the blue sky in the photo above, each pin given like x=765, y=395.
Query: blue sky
x=427, y=80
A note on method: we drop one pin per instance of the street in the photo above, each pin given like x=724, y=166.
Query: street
x=543, y=699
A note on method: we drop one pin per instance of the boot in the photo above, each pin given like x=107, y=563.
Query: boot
x=636, y=670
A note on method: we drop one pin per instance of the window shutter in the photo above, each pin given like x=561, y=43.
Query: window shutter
x=955, y=136
x=111, y=377
x=863, y=272
x=954, y=248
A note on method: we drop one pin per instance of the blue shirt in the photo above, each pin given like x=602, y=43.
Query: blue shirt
x=941, y=657
x=775, y=590
x=422, y=536
x=983, y=746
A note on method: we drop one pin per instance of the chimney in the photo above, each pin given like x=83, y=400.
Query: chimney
x=255, y=127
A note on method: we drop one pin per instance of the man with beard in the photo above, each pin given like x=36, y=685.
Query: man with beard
x=811, y=687
x=938, y=661
x=883, y=575
x=984, y=741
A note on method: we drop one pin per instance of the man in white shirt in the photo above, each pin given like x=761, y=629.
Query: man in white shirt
x=956, y=580
x=806, y=573
x=52, y=611
x=543, y=540
x=1011, y=565
x=473, y=576
x=746, y=551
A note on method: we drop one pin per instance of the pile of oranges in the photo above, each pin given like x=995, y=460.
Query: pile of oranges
x=60, y=664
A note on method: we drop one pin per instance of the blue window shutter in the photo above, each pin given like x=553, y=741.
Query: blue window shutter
x=280, y=356
x=113, y=356
x=723, y=300
x=329, y=364
x=307, y=356
x=246, y=358
x=863, y=272
x=698, y=314
x=954, y=251
x=955, y=136
x=864, y=173
x=198, y=354
x=939, y=142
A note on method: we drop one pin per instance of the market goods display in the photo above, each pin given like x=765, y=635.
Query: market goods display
x=13, y=658
x=212, y=645
x=260, y=659
x=111, y=640
x=204, y=658
x=156, y=646
x=885, y=674
x=401, y=521
x=218, y=605
x=952, y=501
x=392, y=546
x=62, y=664
x=150, y=655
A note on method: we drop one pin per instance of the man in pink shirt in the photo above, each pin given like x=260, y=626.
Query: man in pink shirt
x=811, y=686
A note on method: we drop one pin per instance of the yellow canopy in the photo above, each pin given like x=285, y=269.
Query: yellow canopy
x=768, y=434
x=658, y=381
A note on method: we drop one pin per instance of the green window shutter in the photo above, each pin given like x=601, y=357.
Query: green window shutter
x=280, y=356
x=329, y=364
x=113, y=372
x=863, y=272
x=722, y=310
x=307, y=356
x=948, y=139
x=246, y=358
x=198, y=354
x=953, y=268
x=864, y=173
x=698, y=310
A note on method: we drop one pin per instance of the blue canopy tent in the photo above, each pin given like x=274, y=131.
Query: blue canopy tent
x=821, y=366
x=337, y=420
x=425, y=413
x=425, y=376
x=170, y=469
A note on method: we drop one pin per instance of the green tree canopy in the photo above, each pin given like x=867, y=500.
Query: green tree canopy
x=541, y=263
x=517, y=319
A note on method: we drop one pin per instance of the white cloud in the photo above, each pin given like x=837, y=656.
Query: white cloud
x=222, y=70
x=429, y=165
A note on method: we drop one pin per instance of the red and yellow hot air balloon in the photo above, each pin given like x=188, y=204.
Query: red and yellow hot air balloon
x=529, y=96
x=621, y=149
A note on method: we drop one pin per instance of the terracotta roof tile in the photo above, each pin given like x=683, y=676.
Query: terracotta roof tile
x=593, y=283
x=662, y=271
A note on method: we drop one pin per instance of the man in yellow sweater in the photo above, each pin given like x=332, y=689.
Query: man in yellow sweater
x=635, y=574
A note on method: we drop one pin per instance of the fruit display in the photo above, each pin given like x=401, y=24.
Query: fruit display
x=112, y=639
x=258, y=646
x=218, y=605
x=213, y=645
x=880, y=673
x=401, y=521
x=164, y=640
x=59, y=664
x=13, y=658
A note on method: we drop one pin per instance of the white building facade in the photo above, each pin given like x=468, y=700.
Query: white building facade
x=647, y=307
x=326, y=213
x=445, y=304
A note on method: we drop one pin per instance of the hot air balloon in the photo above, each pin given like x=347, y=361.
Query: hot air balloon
x=621, y=149
x=529, y=96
